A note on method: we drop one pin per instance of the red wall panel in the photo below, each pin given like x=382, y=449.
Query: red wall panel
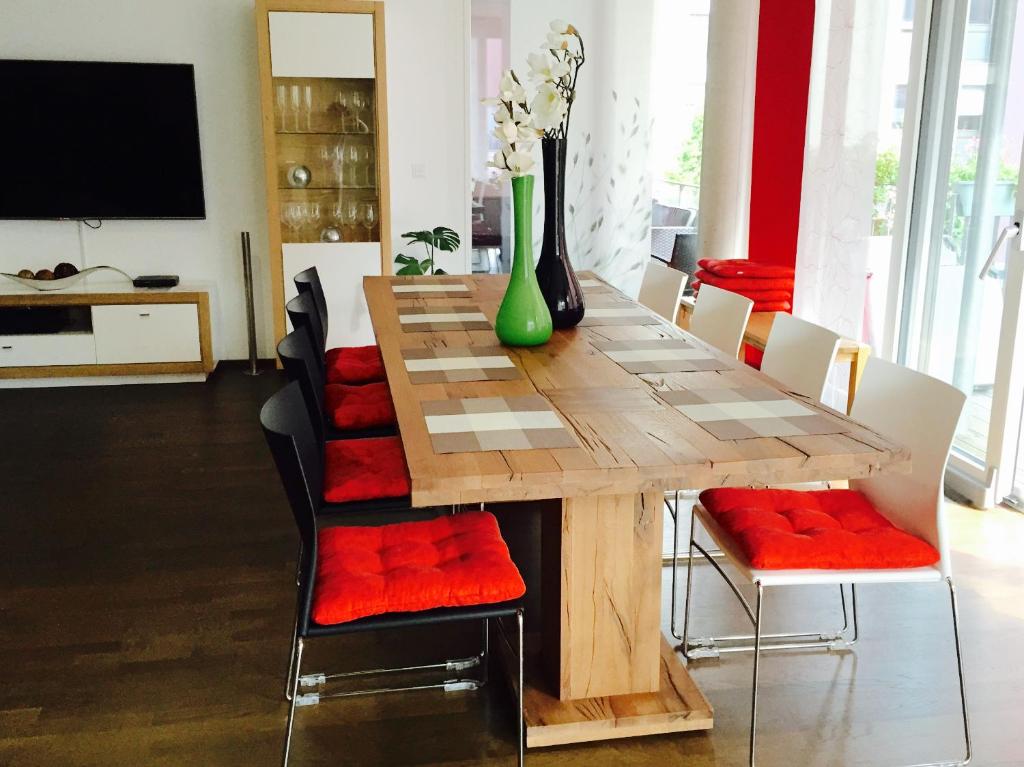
x=784, y=37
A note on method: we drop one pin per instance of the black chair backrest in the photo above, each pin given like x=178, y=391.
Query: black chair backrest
x=308, y=281
x=300, y=364
x=299, y=460
x=302, y=312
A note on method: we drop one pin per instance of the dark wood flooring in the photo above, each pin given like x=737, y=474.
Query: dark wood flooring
x=146, y=595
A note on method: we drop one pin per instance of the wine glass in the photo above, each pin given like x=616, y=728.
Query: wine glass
x=291, y=217
x=311, y=215
x=307, y=99
x=352, y=155
x=351, y=218
x=366, y=155
x=369, y=218
x=357, y=105
x=281, y=103
x=343, y=108
x=296, y=95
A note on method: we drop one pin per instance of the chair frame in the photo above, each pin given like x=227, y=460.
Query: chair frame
x=655, y=272
x=931, y=472
x=308, y=282
x=293, y=444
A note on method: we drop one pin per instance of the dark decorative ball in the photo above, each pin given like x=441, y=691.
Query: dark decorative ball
x=65, y=269
x=44, y=274
x=27, y=274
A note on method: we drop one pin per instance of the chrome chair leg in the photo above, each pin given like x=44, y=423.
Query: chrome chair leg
x=297, y=662
x=757, y=657
x=685, y=646
x=520, y=729
x=291, y=681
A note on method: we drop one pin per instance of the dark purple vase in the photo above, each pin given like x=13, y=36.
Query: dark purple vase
x=555, y=275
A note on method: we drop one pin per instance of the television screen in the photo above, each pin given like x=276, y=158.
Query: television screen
x=99, y=140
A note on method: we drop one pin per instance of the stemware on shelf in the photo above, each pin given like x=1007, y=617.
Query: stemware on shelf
x=352, y=155
x=296, y=100
x=307, y=102
x=343, y=108
x=358, y=102
x=367, y=157
x=351, y=218
x=281, y=105
x=369, y=218
x=292, y=217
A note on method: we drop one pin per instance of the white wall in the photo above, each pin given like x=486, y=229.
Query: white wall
x=428, y=114
x=219, y=38
x=425, y=42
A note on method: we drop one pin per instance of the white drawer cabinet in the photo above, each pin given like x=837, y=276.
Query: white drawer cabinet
x=44, y=350
x=137, y=333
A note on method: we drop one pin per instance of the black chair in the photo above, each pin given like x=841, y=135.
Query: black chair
x=300, y=364
x=342, y=364
x=298, y=457
x=308, y=282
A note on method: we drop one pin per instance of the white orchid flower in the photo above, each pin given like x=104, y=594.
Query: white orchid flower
x=548, y=107
x=510, y=90
x=508, y=131
x=558, y=42
x=519, y=163
x=544, y=66
x=559, y=26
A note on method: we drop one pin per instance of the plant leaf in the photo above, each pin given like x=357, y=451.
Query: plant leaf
x=402, y=259
x=440, y=271
x=410, y=270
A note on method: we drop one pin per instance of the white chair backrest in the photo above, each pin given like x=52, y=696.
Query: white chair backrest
x=720, y=318
x=799, y=354
x=662, y=289
x=920, y=413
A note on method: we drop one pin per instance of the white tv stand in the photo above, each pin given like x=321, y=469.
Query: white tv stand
x=103, y=333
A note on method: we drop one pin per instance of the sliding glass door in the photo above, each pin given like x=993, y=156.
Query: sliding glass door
x=956, y=323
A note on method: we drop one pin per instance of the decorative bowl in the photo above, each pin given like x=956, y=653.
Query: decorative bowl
x=63, y=282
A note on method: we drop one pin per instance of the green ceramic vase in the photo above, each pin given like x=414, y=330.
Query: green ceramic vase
x=523, y=318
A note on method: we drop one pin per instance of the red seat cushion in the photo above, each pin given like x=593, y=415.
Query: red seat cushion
x=354, y=365
x=813, y=530
x=450, y=561
x=365, y=469
x=359, y=407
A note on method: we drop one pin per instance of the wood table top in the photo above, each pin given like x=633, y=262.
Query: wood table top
x=629, y=439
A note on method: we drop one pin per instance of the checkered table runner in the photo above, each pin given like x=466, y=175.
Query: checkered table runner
x=494, y=423
x=417, y=319
x=413, y=287
x=661, y=355
x=454, y=364
x=748, y=412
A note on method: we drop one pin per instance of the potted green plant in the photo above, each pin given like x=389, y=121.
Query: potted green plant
x=439, y=238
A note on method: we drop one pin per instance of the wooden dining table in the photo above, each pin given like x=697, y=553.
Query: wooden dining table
x=622, y=440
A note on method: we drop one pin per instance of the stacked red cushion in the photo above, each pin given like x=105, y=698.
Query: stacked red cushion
x=354, y=365
x=365, y=470
x=818, y=530
x=359, y=407
x=769, y=286
x=450, y=561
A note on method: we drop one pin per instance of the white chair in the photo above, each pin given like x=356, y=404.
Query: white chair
x=915, y=410
x=800, y=354
x=662, y=289
x=720, y=318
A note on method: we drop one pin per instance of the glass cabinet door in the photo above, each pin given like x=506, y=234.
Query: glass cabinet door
x=325, y=106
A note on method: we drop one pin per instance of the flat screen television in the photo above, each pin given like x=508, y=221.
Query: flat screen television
x=99, y=140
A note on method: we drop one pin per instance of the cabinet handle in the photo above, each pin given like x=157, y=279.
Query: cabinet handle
x=143, y=314
x=6, y=348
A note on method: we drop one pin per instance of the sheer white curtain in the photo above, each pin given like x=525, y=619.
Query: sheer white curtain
x=608, y=186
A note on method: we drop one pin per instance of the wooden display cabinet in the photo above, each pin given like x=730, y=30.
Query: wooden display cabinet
x=324, y=112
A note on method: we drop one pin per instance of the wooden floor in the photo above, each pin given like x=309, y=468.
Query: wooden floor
x=146, y=594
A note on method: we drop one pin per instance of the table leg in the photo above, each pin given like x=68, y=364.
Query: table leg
x=860, y=359
x=606, y=670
